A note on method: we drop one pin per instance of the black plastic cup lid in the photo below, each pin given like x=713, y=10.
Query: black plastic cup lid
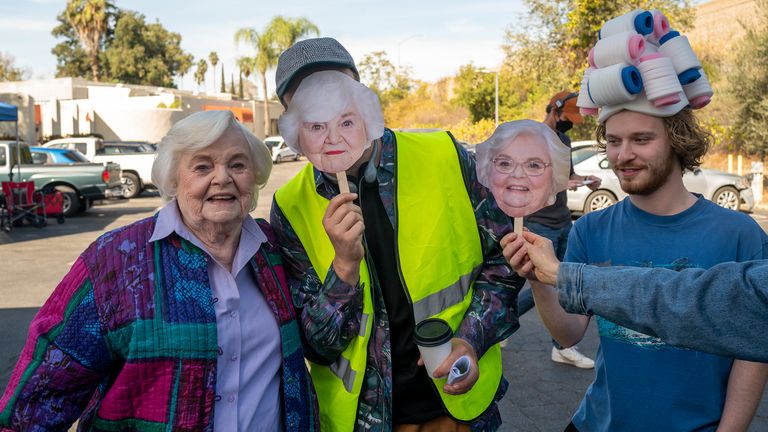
x=432, y=332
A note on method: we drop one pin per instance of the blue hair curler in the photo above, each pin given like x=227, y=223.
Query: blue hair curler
x=630, y=76
x=644, y=23
x=689, y=76
x=668, y=36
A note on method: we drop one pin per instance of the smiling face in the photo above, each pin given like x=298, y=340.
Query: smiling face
x=335, y=145
x=517, y=193
x=639, y=152
x=215, y=185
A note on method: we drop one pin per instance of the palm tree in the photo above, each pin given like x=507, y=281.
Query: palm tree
x=202, y=68
x=89, y=18
x=287, y=31
x=213, y=57
x=279, y=34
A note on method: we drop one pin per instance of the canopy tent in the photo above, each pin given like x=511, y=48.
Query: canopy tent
x=11, y=113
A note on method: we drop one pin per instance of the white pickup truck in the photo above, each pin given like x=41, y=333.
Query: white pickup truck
x=136, y=166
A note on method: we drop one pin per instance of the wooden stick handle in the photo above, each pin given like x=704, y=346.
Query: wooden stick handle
x=341, y=178
x=518, y=225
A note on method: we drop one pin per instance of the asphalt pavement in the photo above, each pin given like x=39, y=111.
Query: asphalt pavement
x=542, y=394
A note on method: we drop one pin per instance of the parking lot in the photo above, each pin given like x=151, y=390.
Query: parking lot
x=541, y=397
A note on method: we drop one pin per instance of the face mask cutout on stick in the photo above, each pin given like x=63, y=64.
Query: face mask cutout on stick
x=332, y=119
x=525, y=165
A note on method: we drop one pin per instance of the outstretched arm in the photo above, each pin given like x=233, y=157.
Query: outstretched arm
x=722, y=310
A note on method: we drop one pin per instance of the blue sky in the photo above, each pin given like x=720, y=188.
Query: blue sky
x=432, y=37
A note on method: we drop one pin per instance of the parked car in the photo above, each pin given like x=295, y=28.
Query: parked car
x=726, y=190
x=43, y=155
x=137, y=166
x=121, y=147
x=280, y=150
x=80, y=183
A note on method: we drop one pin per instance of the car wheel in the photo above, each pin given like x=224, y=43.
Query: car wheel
x=728, y=197
x=131, y=185
x=278, y=159
x=70, y=203
x=599, y=200
x=295, y=158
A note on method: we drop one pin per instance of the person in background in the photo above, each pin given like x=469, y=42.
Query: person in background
x=554, y=221
x=181, y=321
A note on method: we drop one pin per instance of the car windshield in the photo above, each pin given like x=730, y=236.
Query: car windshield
x=75, y=156
x=581, y=154
x=271, y=143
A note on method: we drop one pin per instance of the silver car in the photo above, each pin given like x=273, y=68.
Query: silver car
x=726, y=190
x=280, y=150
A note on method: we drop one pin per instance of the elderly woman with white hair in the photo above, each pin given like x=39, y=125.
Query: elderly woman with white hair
x=181, y=321
x=525, y=165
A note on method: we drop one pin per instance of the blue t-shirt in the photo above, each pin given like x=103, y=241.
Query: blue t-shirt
x=642, y=384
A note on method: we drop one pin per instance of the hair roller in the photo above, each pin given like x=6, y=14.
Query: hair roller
x=625, y=47
x=638, y=20
x=662, y=87
x=686, y=63
x=585, y=104
x=614, y=84
x=660, y=26
x=699, y=92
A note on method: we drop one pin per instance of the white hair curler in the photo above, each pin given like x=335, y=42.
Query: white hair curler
x=585, y=104
x=614, y=84
x=660, y=80
x=677, y=48
x=625, y=47
x=699, y=92
x=638, y=20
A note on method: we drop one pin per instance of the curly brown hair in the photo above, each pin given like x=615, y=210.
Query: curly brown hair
x=689, y=140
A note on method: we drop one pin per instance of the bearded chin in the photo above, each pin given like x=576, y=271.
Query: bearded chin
x=658, y=176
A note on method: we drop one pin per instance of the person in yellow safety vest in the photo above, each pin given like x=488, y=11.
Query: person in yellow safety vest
x=416, y=239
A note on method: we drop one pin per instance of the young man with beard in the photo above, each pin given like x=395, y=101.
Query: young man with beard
x=641, y=383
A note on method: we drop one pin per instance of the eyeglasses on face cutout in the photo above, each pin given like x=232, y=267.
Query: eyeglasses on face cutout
x=532, y=167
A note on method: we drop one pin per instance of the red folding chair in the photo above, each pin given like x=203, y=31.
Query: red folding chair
x=22, y=203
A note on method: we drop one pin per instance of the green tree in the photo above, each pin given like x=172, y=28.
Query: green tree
x=202, y=68
x=240, y=94
x=381, y=76
x=475, y=90
x=213, y=58
x=141, y=53
x=232, y=84
x=132, y=51
x=8, y=69
x=279, y=34
x=89, y=19
x=749, y=85
x=223, y=86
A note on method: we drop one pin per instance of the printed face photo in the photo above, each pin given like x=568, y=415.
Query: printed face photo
x=335, y=145
x=521, y=176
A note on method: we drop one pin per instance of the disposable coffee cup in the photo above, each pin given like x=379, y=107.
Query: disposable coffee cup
x=433, y=337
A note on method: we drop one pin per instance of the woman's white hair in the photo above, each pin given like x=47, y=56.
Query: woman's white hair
x=197, y=132
x=324, y=95
x=506, y=133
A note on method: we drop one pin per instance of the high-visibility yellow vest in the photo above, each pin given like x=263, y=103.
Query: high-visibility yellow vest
x=438, y=254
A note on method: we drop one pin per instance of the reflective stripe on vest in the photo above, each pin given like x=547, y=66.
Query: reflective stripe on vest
x=338, y=385
x=439, y=250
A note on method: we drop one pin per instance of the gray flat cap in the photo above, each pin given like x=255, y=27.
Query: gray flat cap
x=310, y=52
